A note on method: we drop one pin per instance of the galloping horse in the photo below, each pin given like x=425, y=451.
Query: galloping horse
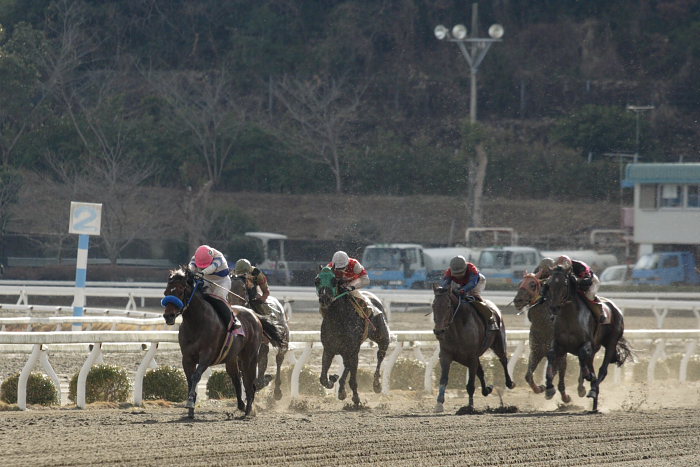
x=203, y=337
x=462, y=336
x=278, y=317
x=342, y=332
x=577, y=332
x=541, y=335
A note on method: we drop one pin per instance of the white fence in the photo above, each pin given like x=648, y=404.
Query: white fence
x=660, y=303
x=38, y=344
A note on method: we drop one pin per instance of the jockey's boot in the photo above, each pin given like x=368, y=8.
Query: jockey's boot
x=597, y=309
x=493, y=326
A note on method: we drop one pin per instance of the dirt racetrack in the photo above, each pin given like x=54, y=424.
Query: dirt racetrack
x=394, y=429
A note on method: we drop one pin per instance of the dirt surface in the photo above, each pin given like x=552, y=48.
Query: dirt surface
x=638, y=424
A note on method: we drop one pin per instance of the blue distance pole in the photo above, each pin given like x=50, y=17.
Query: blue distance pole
x=80, y=279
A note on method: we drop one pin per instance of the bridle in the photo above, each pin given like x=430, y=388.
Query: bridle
x=565, y=279
x=454, y=312
x=177, y=302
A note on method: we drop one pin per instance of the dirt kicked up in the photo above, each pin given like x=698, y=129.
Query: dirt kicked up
x=639, y=426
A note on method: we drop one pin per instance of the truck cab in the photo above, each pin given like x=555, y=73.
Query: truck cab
x=666, y=268
x=274, y=265
x=508, y=264
x=395, y=265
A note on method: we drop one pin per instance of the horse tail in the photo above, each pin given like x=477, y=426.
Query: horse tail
x=277, y=339
x=623, y=352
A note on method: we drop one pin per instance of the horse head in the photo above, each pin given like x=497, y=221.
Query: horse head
x=528, y=291
x=326, y=287
x=560, y=286
x=445, y=306
x=178, y=292
x=238, y=295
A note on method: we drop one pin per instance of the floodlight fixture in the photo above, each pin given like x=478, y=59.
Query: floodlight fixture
x=496, y=31
x=459, y=32
x=441, y=32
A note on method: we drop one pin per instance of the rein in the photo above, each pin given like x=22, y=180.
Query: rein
x=454, y=313
x=224, y=288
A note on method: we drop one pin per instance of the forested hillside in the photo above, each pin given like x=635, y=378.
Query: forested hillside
x=102, y=100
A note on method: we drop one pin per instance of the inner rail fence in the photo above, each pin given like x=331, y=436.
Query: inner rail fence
x=659, y=303
x=422, y=344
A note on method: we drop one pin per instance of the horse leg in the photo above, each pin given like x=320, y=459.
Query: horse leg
x=473, y=368
x=192, y=397
x=326, y=361
x=499, y=348
x=562, y=380
x=445, y=362
x=585, y=356
x=536, y=355
x=581, y=388
x=235, y=374
x=382, y=339
x=279, y=359
x=553, y=360
x=263, y=379
x=485, y=390
x=351, y=364
x=341, y=382
x=250, y=368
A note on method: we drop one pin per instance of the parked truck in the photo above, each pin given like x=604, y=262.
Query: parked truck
x=666, y=268
x=507, y=264
x=409, y=265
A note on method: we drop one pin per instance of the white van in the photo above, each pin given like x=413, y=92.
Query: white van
x=508, y=264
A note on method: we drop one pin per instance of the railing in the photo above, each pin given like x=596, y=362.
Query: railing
x=660, y=303
x=39, y=344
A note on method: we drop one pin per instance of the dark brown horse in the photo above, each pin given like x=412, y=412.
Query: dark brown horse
x=463, y=338
x=541, y=335
x=202, y=335
x=342, y=333
x=278, y=317
x=577, y=332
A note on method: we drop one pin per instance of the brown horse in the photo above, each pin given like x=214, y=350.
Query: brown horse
x=203, y=333
x=576, y=331
x=541, y=335
x=462, y=336
x=239, y=296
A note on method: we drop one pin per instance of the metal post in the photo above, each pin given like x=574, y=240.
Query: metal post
x=80, y=276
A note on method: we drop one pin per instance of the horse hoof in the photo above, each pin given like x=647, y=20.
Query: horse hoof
x=511, y=385
x=333, y=378
x=581, y=391
x=565, y=398
x=487, y=390
x=439, y=408
x=342, y=395
x=549, y=393
x=241, y=406
x=190, y=412
x=377, y=387
x=538, y=389
x=278, y=394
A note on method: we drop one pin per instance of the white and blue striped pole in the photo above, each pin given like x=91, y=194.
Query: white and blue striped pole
x=85, y=219
x=80, y=279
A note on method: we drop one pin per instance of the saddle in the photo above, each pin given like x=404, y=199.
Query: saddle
x=222, y=308
x=228, y=317
x=600, y=309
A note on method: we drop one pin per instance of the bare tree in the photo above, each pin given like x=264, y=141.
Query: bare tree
x=205, y=105
x=320, y=116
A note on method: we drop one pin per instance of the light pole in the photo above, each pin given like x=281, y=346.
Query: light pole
x=637, y=109
x=475, y=53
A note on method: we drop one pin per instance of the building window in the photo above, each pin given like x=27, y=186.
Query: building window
x=693, y=196
x=671, y=196
x=647, y=196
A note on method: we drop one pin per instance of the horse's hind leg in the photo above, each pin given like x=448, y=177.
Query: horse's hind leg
x=536, y=355
x=279, y=359
x=485, y=390
x=235, y=374
x=553, y=362
x=341, y=383
x=250, y=368
x=499, y=348
x=473, y=369
x=263, y=379
x=382, y=339
x=351, y=363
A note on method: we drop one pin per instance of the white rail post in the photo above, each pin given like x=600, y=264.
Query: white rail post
x=138, y=377
x=517, y=353
x=388, y=365
x=44, y=359
x=24, y=376
x=298, y=366
x=82, y=376
x=689, y=352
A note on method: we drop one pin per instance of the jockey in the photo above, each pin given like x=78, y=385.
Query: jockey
x=351, y=276
x=469, y=284
x=254, y=280
x=586, y=281
x=544, y=269
x=212, y=266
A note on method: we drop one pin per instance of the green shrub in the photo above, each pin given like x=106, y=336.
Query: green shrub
x=408, y=374
x=40, y=390
x=107, y=383
x=219, y=386
x=165, y=382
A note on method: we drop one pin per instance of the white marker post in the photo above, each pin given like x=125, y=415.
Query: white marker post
x=85, y=220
